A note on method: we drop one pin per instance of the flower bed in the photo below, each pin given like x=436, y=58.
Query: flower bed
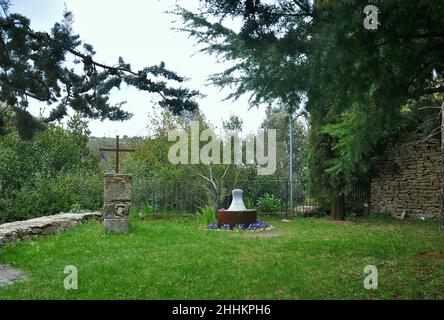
x=257, y=226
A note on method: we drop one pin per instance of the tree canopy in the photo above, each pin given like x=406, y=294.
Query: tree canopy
x=361, y=86
x=60, y=70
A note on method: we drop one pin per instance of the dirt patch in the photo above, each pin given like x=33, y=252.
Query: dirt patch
x=429, y=255
x=271, y=234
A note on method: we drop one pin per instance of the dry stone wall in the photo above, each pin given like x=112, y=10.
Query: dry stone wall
x=409, y=180
x=24, y=230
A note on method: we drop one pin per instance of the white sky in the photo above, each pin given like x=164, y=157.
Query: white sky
x=141, y=32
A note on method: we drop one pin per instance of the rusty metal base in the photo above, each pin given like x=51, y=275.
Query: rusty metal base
x=233, y=218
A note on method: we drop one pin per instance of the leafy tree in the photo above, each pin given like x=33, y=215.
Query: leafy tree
x=234, y=123
x=278, y=119
x=150, y=165
x=365, y=85
x=362, y=86
x=42, y=66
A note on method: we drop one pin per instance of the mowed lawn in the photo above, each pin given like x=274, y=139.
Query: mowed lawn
x=179, y=259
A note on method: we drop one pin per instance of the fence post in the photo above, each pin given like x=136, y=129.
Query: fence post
x=286, y=201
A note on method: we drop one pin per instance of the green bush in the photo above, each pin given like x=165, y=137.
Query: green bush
x=145, y=208
x=52, y=173
x=269, y=203
x=51, y=195
x=249, y=203
x=207, y=215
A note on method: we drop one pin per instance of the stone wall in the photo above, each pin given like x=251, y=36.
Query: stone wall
x=24, y=230
x=409, y=180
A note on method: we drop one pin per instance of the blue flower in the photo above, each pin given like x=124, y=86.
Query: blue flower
x=225, y=227
x=213, y=225
x=260, y=225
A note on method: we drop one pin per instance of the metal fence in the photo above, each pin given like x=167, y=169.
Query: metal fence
x=87, y=196
x=188, y=197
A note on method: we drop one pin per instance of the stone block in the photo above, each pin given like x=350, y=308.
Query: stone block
x=118, y=188
x=116, y=210
x=117, y=202
x=117, y=225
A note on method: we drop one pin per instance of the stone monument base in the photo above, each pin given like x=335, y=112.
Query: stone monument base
x=117, y=225
x=117, y=202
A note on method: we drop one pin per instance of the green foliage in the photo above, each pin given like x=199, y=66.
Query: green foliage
x=278, y=119
x=144, y=208
x=249, y=203
x=176, y=185
x=362, y=87
x=35, y=65
x=48, y=195
x=207, y=215
x=234, y=123
x=51, y=173
x=269, y=203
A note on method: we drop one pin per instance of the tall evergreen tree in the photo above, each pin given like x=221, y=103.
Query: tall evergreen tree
x=362, y=85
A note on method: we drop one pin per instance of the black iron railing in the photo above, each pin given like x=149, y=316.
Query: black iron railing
x=188, y=197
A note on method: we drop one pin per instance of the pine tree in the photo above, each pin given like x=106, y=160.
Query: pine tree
x=38, y=65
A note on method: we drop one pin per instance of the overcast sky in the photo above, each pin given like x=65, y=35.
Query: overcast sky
x=141, y=32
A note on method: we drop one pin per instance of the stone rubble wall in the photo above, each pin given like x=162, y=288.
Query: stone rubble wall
x=14, y=232
x=409, y=180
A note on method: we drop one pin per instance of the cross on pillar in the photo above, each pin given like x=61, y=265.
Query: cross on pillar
x=117, y=150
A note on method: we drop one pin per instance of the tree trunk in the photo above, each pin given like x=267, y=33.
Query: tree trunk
x=338, y=207
x=441, y=212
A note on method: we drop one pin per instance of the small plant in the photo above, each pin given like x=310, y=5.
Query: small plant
x=225, y=227
x=76, y=208
x=351, y=215
x=269, y=203
x=146, y=209
x=257, y=226
x=249, y=203
x=207, y=214
x=260, y=225
x=239, y=227
x=213, y=225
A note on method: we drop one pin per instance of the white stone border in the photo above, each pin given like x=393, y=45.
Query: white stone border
x=14, y=232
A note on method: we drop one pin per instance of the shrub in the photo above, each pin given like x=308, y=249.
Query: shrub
x=51, y=195
x=269, y=203
x=249, y=203
x=207, y=215
x=52, y=173
x=144, y=208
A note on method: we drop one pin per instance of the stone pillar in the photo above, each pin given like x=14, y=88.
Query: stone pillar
x=117, y=202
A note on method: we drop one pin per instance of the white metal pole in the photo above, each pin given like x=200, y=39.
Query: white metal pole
x=291, y=160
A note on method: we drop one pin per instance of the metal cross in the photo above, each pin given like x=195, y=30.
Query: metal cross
x=117, y=150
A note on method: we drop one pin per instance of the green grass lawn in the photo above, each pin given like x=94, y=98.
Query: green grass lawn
x=178, y=259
